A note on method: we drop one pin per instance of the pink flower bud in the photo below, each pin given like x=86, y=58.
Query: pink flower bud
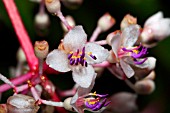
x=53, y=6
x=21, y=104
x=128, y=20
x=145, y=86
x=41, y=49
x=106, y=22
x=156, y=28
x=42, y=20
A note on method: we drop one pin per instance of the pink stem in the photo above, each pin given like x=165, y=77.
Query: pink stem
x=21, y=33
x=63, y=20
x=16, y=81
x=101, y=42
x=103, y=64
x=95, y=34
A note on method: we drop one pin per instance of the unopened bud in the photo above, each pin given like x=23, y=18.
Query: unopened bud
x=145, y=86
x=128, y=20
x=20, y=55
x=70, y=21
x=41, y=49
x=106, y=22
x=21, y=104
x=110, y=36
x=151, y=75
x=53, y=6
x=42, y=20
x=3, y=108
x=123, y=102
x=67, y=105
x=72, y=4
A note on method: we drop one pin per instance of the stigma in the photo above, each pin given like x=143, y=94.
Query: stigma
x=78, y=57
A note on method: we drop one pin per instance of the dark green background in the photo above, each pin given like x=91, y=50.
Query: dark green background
x=87, y=15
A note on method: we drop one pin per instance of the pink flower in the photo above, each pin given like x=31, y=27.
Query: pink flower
x=125, y=54
x=78, y=56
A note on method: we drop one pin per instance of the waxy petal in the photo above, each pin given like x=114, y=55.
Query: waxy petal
x=98, y=51
x=116, y=43
x=75, y=39
x=129, y=72
x=83, y=76
x=58, y=60
x=130, y=35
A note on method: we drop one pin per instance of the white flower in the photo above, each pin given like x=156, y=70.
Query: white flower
x=76, y=55
x=156, y=28
x=125, y=53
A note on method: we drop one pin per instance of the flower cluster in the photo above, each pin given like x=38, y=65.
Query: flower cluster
x=127, y=58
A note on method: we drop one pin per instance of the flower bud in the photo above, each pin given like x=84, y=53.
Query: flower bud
x=70, y=21
x=151, y=75
x=144, y=86
x=3, y=108
x=42, y=20
x=67, y=105
x=128, y=20
x=123, y=102
x=21, y=104
x=72, y=4
x=41, y=49
x=20, y=55
x=53, y=6
x=106, y=22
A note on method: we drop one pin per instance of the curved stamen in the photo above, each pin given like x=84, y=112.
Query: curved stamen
x=141, y=54
x=140, y=62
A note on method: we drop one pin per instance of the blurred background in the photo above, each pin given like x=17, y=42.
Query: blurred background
x=87, y=15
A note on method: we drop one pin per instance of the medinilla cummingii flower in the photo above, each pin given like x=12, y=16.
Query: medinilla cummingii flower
x=125, y=53
x=83, y=100
x=156, y=28
x=78, y=55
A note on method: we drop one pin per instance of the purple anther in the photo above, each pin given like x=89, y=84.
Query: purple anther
x=90, y=106
x=99, y=105
x=107, y=103
x=82, y=62
x=85, y=63
x=94, y=57
x=141, y=54
x=127, y=50
x=70, y=55
x=140, y=62
x=72, y=61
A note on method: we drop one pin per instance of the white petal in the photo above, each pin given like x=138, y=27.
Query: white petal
x=129, y=72
x=154, y=18
x=116, y=43
x=150, y=63
x=83, y=76
x=130, y=35
x=75, y=39
x=98, y=51
x=58, y=60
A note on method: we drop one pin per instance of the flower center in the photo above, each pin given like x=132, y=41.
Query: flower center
x=137, y=52
x=78, y=57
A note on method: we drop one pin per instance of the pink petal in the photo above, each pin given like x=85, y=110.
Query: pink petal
x=58, y=60
x=130, y=35
x=83, y=76
x=75, y=39
x=129, y=72
x=98, y=51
